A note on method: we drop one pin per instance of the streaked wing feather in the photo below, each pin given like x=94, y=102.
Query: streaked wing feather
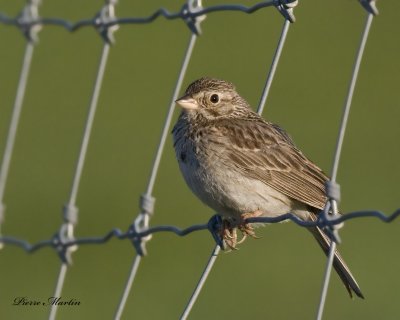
x=266, y=152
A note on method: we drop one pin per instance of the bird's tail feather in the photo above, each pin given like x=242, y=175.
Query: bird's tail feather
x=338, y=263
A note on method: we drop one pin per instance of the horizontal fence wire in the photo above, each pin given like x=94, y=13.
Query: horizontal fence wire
x=131, y=234
x=184, y=14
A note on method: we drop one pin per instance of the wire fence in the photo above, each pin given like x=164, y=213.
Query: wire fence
x=140, y=232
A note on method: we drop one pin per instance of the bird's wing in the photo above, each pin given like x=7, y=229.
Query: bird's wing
x=265, y=152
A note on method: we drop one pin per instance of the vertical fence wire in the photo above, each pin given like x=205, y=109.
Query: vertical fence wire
x=79, y=167
x=274, y=65
x=156, y=165
x=338, y=150
x=12, y=132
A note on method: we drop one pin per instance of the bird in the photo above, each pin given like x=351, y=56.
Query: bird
x=243, y=166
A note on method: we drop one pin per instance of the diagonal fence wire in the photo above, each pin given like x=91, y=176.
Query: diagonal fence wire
x=287, y=12
x=274, y=65
x=147, y=200
x=335, y=166
x=28, y=14
x=59, y=286
x=148, y=195
x=12, y=132
x=128, y=286
x=70, y=209
x=201, y=282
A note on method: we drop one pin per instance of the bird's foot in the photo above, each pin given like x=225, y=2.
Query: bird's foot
x=228, y=231
x=229, y=235
x=246, y=228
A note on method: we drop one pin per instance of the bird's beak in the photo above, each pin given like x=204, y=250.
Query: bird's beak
x=188, y=103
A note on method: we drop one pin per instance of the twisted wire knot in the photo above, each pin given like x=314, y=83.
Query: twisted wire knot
x=105, y=21
x=28, y=20
x=332, y=190
x=285, y=7
x=370, y=6
x=70, y=214
x=192, y=20
x=147, y=203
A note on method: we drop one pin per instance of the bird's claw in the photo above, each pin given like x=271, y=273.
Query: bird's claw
x=247, y=230
x=229, y=232
x=225, y=232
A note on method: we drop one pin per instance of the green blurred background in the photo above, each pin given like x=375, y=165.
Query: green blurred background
x=276, y=277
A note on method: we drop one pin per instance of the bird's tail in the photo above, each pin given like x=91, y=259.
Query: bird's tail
x=338, y=263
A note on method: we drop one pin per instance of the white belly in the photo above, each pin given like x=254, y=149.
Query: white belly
x=230, y=194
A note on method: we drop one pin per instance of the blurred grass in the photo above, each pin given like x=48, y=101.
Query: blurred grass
x=274, y=277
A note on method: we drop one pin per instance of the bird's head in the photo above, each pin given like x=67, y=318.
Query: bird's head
x=212, y=98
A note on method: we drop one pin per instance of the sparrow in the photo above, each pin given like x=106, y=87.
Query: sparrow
x=243, y=166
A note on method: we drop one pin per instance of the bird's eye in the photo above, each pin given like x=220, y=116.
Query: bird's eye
x=214, y=98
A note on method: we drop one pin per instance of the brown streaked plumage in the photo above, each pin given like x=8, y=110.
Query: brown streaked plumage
x=242, y=166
